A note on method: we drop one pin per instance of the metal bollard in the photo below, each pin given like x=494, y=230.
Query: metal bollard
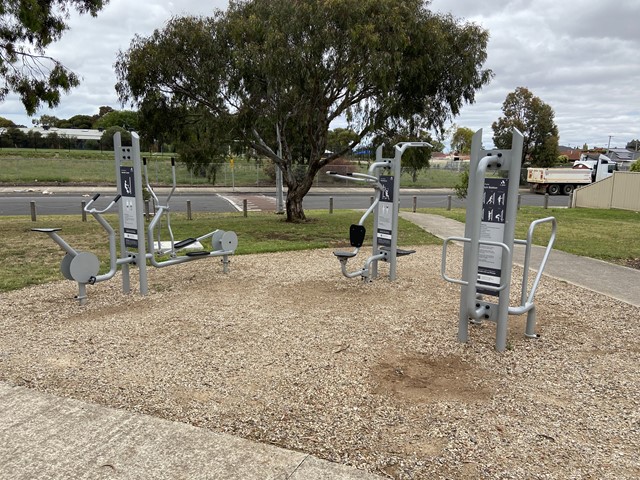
x=244, y=207
x=84, y=214
x=415, y=203
x=519, y=200
x=189, y=210
x=546, y=201
x=370, y=200
x=33, y=211
x=330, y=204
x=448, y=202
x=570, y=200
x=146, y=209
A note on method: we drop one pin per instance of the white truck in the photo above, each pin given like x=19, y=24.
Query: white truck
x=556, y=181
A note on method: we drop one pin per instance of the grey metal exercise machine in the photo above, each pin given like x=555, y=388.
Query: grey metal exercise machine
x=135, y=249
x=385, y=220
x=489, y=240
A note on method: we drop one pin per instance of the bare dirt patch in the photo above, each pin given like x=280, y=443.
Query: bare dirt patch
x=285, y=350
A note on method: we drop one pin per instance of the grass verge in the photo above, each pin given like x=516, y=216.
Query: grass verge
x=30, y=258
x=610, y=235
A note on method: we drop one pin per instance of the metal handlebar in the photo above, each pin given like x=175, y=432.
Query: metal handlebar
x=96, y=211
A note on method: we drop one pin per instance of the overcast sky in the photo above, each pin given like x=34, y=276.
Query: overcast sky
x=578, y=56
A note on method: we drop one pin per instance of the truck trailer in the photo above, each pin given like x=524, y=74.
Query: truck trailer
x=563, y=181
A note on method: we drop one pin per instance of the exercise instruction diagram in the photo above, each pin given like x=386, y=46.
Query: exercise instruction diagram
x=129, y=207
x=494, y=207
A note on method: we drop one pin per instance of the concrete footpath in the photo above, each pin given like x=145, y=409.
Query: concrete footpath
x=47, y=437
x=621, y=283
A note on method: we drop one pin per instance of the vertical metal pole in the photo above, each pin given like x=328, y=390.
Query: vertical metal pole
x=33, y=210
x=448, y=202
x=244, y=207
x=370, y=201
x=397, y=172
x=415, y=203
x=469, y=271
x=146, y=209
x=83, y=213
x=519, y=201
x=189, y=210
x=509, y=236
x=139, y=205
x=330, y=204
x=373, y=268
x=570, y=205
x=117, y=146
x=546, y=201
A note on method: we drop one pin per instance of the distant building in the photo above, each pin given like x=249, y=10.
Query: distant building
x=77, y=133
x=623, y=157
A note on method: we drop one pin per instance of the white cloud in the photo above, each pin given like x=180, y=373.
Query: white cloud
x=576, y=55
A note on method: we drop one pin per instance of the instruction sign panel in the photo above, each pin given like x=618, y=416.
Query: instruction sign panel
x=385, y=212
x=129, y=214
x=494, y=207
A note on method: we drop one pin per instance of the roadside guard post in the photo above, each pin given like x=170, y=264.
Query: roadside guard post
x=384, y=176
x=489, y=240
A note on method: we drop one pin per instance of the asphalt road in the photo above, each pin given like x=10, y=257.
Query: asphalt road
x=16, y=203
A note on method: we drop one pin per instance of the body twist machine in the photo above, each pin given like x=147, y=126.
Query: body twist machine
x=384, y=176
x=489, y=240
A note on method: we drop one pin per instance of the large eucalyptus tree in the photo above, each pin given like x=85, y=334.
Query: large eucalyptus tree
x=294, y=66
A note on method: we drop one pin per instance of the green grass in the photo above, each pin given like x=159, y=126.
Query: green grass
x=611, y=235
x=30, y=258
x=29, y=166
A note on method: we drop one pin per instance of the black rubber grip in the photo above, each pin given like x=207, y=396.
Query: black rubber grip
x=331, y=172
x=144, y=160
x=95, y=197
x=173, y=162
x=115, y=200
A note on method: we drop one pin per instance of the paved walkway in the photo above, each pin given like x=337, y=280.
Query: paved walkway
x=621, y=283
x=47, y=437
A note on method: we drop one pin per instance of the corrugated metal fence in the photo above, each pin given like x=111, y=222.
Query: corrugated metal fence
x=621, y=190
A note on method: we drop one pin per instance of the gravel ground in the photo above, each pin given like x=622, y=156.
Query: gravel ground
x=285, y=350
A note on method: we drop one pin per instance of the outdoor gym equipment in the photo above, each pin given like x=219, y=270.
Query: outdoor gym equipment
x=83, y=267
x=222, y=243
x=385, y=220
x=488, y=243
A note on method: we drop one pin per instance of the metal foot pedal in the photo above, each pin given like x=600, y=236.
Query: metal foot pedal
x=184, y=243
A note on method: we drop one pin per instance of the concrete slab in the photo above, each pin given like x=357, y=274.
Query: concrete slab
x=47, y=437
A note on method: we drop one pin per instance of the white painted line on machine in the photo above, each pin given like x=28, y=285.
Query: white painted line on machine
x=167, y=246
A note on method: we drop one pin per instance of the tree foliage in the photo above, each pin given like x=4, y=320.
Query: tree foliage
x=341, y=139
x=633, y=145
x=535, y=120
x=268, y=65
x=5, y=122
x=127, y=119
x=635, y=166
x=27, y=27
x=461, y=140
x=413, y=159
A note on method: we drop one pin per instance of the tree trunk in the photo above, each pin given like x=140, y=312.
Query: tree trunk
x=295, y=213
